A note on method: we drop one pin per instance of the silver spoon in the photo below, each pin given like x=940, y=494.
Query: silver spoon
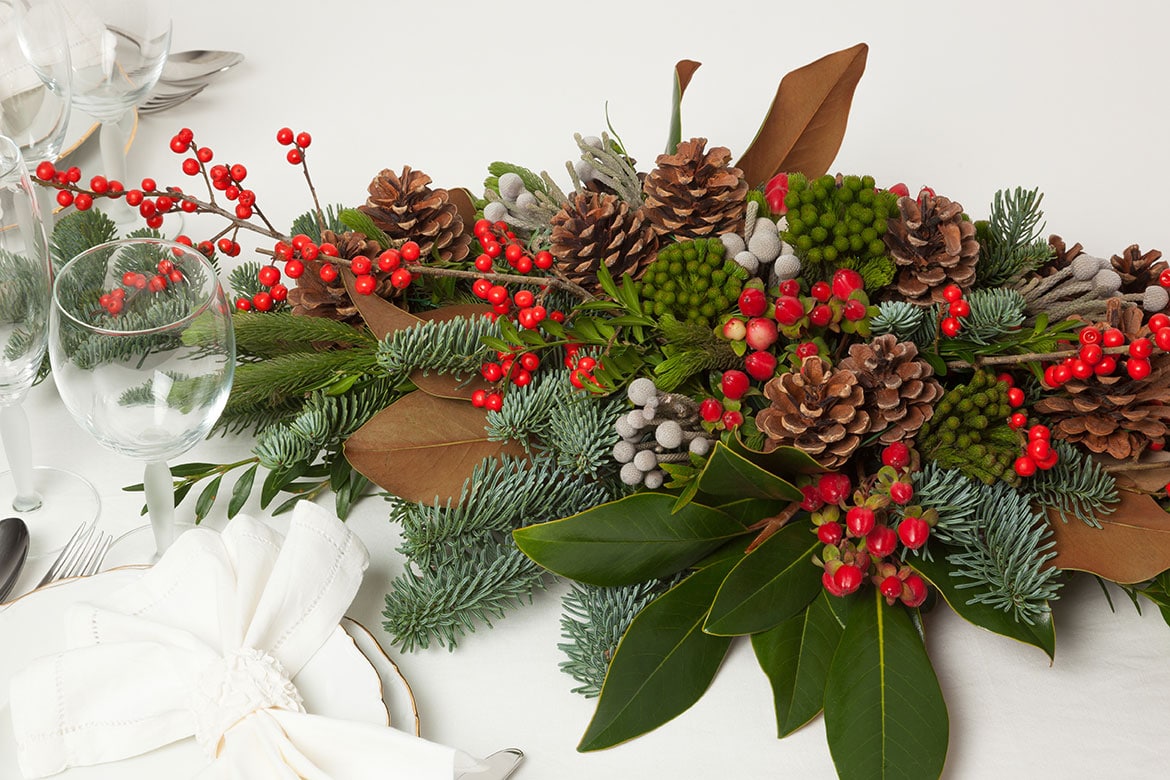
x=13, y=551
x=184, y=67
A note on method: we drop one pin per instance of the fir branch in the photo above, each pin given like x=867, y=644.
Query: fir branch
x=1077, y=486
x=994, y=312
x=581, y=432
x=954, y=496
x=906, y=321
x=1009, y=554
x=290, y=376
x=263, y=335
x=1012, y=246
x=79, y=231
x=594, y=620
x=525, y=415
x=452, y=346
x=307, y=223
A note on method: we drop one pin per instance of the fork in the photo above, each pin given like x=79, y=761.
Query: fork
x=163, y=99
x=81, y=556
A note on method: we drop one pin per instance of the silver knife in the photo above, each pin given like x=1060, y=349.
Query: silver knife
x=497, y=766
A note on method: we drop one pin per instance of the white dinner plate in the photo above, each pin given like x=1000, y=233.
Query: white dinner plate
x=339, y=681
x=81, y=127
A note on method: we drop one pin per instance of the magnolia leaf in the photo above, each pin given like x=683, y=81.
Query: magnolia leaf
x=464, y=204
x=1132, y=545
x=450, y=385
x=782, y=460
x=1148, y=475
x=938, y=573
x=683, y=70
x=751, y=510
x=630, y=540
x=663, y=664
x=380, y=316
x=729, y=474
x=885, y=716
x=776, y=581
x=795, y=656
x=806, y=121
x=422, y=448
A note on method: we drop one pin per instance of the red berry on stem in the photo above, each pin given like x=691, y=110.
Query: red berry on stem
x=753, y=302
x=294, y=157
x=45, y=171
x=901, y=492
x=1015, y=397
x=821, y=291
x=278, y=292
x=820, y=315
x=790, y=287
x=881, y=541
x=952, y=293
x=848, y=578
x=734, y=384
x=401, y=279
x=1158, y=321
x=760, y=365
x=812, y=498
x=268, y=275
x=1039, y=449
x=388, y=260
x=1141, y=348
x=1112, y=337
x=1024, y=466
x=1137, y=368
x=1106, y=367
x=1162, y=338
x=294, y=268
x=303, y=140
x=262, y=301
x=789, y=310
x=524, y=298
x=950, y=326
x=834, y=487
x=896, y=455
x=284, y=136
x=854, y=310
x=410, y=251
x=761, y=333
x=327, y=272
x=891, y=588
x=731, y=419
x=860, y=520
x=494, y=402
x=243, y=304
x=83, y=201
x=710, y=409
x=959, y=308
x=481, y=288
x=913, y=531
x=829, y=533
x=1018, y=420
x=365, y=284
x=360, y=265
x=913, y=591
x=845, y=282
x=479, y=398
x=64, y=198
x=239, y=172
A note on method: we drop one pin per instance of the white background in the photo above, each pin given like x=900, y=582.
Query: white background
x=967, y=98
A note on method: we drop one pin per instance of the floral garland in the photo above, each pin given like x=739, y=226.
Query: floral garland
x=797, y=407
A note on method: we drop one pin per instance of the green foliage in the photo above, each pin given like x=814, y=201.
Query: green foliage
x=359, y=221
x=1077, y=486
x=265, y=335
x=452, y=346
x=78, y=231
x=691, y=348
x=307, y=223
x=532, y=182
x=994, y=313
x=285, y=379
x=954, y=496
x=1011, y=246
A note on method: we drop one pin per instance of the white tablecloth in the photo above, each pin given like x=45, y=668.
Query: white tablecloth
x=968, y=99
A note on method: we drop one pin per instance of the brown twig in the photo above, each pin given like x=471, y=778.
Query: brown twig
x=770, y=525
x=1028, y=357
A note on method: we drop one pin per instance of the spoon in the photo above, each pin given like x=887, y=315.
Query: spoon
x=13, y=550
x=183, y=67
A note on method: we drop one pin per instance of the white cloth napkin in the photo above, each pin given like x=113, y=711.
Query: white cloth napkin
x=205, y=644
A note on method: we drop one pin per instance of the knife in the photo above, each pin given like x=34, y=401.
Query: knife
x=497, y=766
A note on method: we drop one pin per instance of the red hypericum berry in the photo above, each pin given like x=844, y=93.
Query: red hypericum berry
x=1018, y=420
x=761, y=332
x=901, y=492
x=83, y=201
x=829, y=533
x=845, y=282
x=891, y=588
x=753, y=302
x=388, y=260
x=731, y=419
x=926, y=192
x=859, y=519
x=360, y=265
x=881, y=541
x=790, y=287
x=1164, y=278
x=45, y=171
x=303, y=140
x=807, y=349
x=410, y=251
x=1015, y=397
x=821, y=291
x=1024, y=466
x=1137, y=368
x=834, y=487
x=789, y=310
x=494, y=402
x=950, y=326
x=524, y=298
x=327, y=272
x=901, y=190
x=243, y=304
x=896, y=455
x=1141, y=348
x=812, y=498
x=913, y=591
x=734, y=384
x=401, y=279
x=734, y=329
x=284, y=136
x=64, y=198
x=278, y=292
x=294, y=157
x=479, y=398
x=959, y=308
x=1112, y=337
x=1158, y=321
x=760, y=365
x=854, y=310
x=820, y=315
x=952, y=293
x=710, y=409
x=365, y=284
x=913, y=531
x=848, y=578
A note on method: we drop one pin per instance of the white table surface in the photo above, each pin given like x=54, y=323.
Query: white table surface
x=968, y=99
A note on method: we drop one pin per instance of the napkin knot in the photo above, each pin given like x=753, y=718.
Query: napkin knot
x=230, y=689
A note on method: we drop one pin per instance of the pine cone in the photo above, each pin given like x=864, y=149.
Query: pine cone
x=694, y=195
x=900, y=389
x=593, y=228
x=1138, y=271
x=818, y=409
x=313, y=297
x=1114, y=414
x=1062, y=255
x=404, y=207
x=933, y=245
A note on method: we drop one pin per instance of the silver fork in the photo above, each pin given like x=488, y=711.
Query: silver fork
x=163, y=98
x=82, y=555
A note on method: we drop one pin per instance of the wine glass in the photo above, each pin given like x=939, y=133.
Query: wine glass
x=34, y=85
x=117, y=52
x=49, y=500
x=142, y=349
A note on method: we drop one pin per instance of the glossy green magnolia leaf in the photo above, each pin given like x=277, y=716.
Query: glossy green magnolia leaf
x=771, y=584
x=795, y=656
x=632, y=539
x=885, y=716
x=727, y=473
x=937, y=573
x=662, y=665
x=782, y=460
x=751, y=510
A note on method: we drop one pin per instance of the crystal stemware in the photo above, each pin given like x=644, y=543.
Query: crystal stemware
x=50, y=501
x=117, y=52
x=143, y=352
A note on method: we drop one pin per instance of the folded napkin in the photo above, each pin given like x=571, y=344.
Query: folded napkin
x=205, y=644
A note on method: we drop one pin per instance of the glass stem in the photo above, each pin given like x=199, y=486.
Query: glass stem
x=160, y=503
x=17, y=440
x=114, y=136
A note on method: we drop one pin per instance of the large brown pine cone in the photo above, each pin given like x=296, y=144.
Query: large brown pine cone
x=692, y=194
x=404, y=207
x=593, y=228
x=313, y=297
x=1114, y=414
x=817, y=409
x=933, y=245
x=1137, y=270
x=900, y=388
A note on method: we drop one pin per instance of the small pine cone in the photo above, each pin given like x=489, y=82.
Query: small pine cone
x=818, y=410
x=900, y=388
x=593, y=228
x=933, y=245
x=1114, y=414
x=314, y=297
x=404, y=207
x=1062, y=255
x=1138, y=271
x=692, y=194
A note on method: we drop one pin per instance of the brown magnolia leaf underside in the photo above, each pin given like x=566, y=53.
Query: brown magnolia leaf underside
x=450, y=385
x=422, y=447
x=805, y=124
x=683, y=71
x=1132, y=545
x=464, y=205
x=381, y=316
x=1147, y=475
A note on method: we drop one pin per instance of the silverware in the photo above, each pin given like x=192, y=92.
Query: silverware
x=162, y=99
x=187, y=68
x=82, y=555
x=13, y=551
x=499, y=765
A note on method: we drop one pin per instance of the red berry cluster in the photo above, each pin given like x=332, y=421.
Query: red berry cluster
x=497, y=241
x=70, y=193
x=580, y=367
x=902, y=191
x=865, y=545
x=298, y=141
x=957, y=309
x=1038, y=453
x=828, y=305
x=515, y=366
x=133, y=282
x=1099, y=348
x=775, y=191
x=726, y=415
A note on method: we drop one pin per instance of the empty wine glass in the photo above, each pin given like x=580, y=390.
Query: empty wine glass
x=117, y=52
x=34, y=85
x=143, y=352
x=50, y=501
